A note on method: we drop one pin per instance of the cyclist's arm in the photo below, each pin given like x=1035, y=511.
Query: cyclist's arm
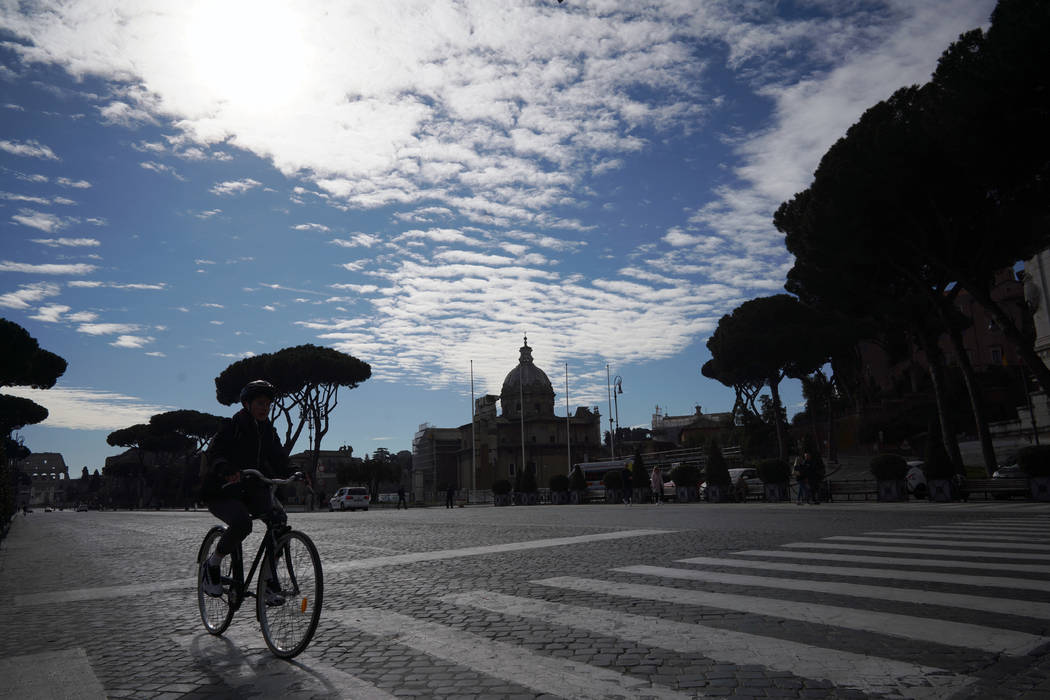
x=220, y=454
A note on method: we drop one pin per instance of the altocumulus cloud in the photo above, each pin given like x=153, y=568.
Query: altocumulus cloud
x=81, y=408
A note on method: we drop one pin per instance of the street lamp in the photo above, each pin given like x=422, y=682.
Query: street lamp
x=618, y=383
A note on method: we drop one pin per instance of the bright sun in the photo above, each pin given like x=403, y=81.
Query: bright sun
x=251, y=53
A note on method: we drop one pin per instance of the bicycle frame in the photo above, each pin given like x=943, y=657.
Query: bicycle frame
x=242, y=584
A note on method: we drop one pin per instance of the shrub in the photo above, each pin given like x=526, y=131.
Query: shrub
x=889, y=467
x=559, y=483
x=773, y=471
x=525, y=482
x=613, y=480
x=1035, y=460
x=717, y=471
x=501, y=487
x=577, y=481
x=685, y=475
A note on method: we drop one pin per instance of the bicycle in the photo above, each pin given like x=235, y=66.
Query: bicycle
x=286, y=556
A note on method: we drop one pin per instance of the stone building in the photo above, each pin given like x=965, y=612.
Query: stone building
x=525, y=435
x=49, y=479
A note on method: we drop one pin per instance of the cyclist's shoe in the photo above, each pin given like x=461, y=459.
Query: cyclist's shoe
x=212, y=583
x=273, y=594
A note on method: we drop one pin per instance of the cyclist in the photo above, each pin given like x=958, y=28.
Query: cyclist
x=246, y=441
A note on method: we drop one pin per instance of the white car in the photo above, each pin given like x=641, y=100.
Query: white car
x=350, y=498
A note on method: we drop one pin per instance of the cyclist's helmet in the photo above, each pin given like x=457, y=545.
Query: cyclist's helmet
x=260, y=387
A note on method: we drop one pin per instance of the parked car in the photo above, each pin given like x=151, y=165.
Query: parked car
x=350, y=498
x=82, y=508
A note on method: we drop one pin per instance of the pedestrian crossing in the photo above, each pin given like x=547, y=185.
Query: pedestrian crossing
x=974, y=597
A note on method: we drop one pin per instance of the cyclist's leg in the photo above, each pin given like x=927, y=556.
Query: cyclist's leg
x=234, y=512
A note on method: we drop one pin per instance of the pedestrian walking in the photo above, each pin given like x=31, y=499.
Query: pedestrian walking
x=450, y=496
x=627, y=487
x=656, y=484
x=401, y=497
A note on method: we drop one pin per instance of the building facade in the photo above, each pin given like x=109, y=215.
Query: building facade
x=524, y=436
x=48, y=479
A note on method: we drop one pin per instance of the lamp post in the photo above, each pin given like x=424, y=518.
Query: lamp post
x=617, y=389
x=612, y=433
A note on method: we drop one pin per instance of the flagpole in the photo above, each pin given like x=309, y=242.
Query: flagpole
x=521, y=410
x=473, y=434
x=612, y=436
x=568, y=425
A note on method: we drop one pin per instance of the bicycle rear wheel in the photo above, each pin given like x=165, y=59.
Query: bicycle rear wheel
x=289, y=626
x=216, y=612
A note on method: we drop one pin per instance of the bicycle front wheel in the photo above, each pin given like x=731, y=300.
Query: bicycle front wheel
x=216, y=612
x=290, y=620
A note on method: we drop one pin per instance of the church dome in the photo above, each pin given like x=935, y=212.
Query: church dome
x=532, y=379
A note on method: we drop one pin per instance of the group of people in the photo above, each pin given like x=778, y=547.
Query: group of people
x=808, y=473
x=656, y=486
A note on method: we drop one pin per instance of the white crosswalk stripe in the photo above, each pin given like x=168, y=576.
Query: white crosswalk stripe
x=864, y=572
x=925, y=629
x=918, y=550
x=1002, y=606
x=946, y=543
x=926, y=534
x=900, y=561
x=561, y=677
x=863, y=672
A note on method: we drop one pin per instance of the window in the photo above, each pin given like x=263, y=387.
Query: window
x=552, y=439
x=511, y=470
x=997, y=354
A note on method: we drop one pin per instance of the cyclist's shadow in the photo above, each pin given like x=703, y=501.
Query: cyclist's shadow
x=257, y=671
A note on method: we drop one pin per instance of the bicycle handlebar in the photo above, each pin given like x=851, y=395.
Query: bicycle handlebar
x=298, y=476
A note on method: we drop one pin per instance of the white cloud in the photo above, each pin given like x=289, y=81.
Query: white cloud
x=232, y=187
x=80, y=408
x=161, y=168
x=71, y=242
x=47, y=269
x=28, y=294
x=39, y=220
x=28, y=149
x=131, y=341
x=311, y=227
x=75, y=184
x=108, y=328
x=122, y=113
x=50, y=314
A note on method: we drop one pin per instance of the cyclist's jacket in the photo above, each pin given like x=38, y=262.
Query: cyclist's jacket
x=242, y=443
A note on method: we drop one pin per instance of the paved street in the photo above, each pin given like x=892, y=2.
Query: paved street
x=848, y=600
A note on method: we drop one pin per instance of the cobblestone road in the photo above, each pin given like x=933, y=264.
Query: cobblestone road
x=673, y=601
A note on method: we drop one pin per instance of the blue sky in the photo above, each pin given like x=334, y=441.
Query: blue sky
x=416, y=183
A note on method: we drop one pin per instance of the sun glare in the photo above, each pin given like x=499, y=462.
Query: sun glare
x=251, y=53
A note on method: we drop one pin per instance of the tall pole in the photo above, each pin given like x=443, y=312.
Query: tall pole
x=618, y=389
x=473, y=434
x=568, y=425
x=612, y=434
x=521, y=409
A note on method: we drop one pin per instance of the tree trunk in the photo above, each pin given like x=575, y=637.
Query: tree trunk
x=935, y=360
x=976, y=402
x=774, y=389
x=833, y=453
